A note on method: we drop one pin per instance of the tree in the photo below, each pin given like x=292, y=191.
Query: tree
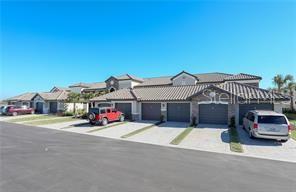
x=280, y=82
x=87, y=96
x=73, y=98
x=100, y=93
x=286, y=85
x=291, y=87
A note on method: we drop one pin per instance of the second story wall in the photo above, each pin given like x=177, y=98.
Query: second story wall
x=184, y=79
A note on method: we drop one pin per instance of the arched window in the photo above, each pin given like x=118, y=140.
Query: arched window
x=111, y=89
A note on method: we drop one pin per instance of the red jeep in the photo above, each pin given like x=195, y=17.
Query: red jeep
x=103, y=115
x=15, y=110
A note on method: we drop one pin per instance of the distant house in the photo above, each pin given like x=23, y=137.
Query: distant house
x=23, y=99
x=47, y=102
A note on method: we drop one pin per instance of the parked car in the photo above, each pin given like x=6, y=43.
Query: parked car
x=104, y=115
x=267, y=125
x=16, y=110
x=3, y=109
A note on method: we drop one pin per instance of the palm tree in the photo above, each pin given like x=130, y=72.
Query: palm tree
x=280, y=81
x=291, y=87
x=73, y=98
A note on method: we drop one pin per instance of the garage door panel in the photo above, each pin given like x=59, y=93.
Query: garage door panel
x=126, y=108
x=53, y=107
x=151, y=111
x=179, y=112
x=213, y=113
x=39, y=107
x=244, y=108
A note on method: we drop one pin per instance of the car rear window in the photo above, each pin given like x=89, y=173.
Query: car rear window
x=272, y=119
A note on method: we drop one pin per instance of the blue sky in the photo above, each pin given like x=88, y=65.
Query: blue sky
x=60, y=43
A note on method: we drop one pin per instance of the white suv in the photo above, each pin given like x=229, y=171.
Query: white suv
x=267, y=125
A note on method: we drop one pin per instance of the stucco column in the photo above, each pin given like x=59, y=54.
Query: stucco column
x=278, y=107
x=233, y=111
x=163, y=110
x=195, y=110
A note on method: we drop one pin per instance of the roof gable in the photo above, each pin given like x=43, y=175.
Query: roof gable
x=184, y=72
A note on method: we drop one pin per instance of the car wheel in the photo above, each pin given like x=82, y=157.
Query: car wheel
x=14, y=114
x=104, y=121
x=121, y=118
x=251, y=134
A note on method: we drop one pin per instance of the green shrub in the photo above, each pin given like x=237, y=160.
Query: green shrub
x=291, y=116
x=232, y=122
x=80, y=113
x=193, y=121
x=68, y=113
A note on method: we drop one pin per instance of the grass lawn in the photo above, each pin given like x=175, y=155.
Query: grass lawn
x=292, y=119
x=293, y=134
x=31, y=118
x=140, y=130
x=51, y=121
x=291, y=116
x=106, y=127
x=181, y=136
x=235, y=145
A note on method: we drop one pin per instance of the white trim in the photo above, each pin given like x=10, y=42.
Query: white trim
x=213, y=102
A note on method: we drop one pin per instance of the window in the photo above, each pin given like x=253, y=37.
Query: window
x=108, y=111
x=269, y=119
x=111, y=89
x=102, y=111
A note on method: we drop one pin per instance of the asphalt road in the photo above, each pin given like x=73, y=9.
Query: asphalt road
x=38, y=159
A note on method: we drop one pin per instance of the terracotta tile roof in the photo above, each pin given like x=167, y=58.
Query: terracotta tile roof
x=166, y=80
x=121, y=94
x=22, y=97
x=251, y=92
x=167, y=93
x=58, y=95
x=182, y=93
x=242, y=76
x=129, y=77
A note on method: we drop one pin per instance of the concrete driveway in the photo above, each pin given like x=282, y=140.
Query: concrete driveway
x=206, y=137
x=162, y=134
x=120, y=130
x=269, y=149
x=85, y=127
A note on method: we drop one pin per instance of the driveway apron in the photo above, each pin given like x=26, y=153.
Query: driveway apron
x=162, y=134
x=208, y=138
x=118, y=131
x=265, y=148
